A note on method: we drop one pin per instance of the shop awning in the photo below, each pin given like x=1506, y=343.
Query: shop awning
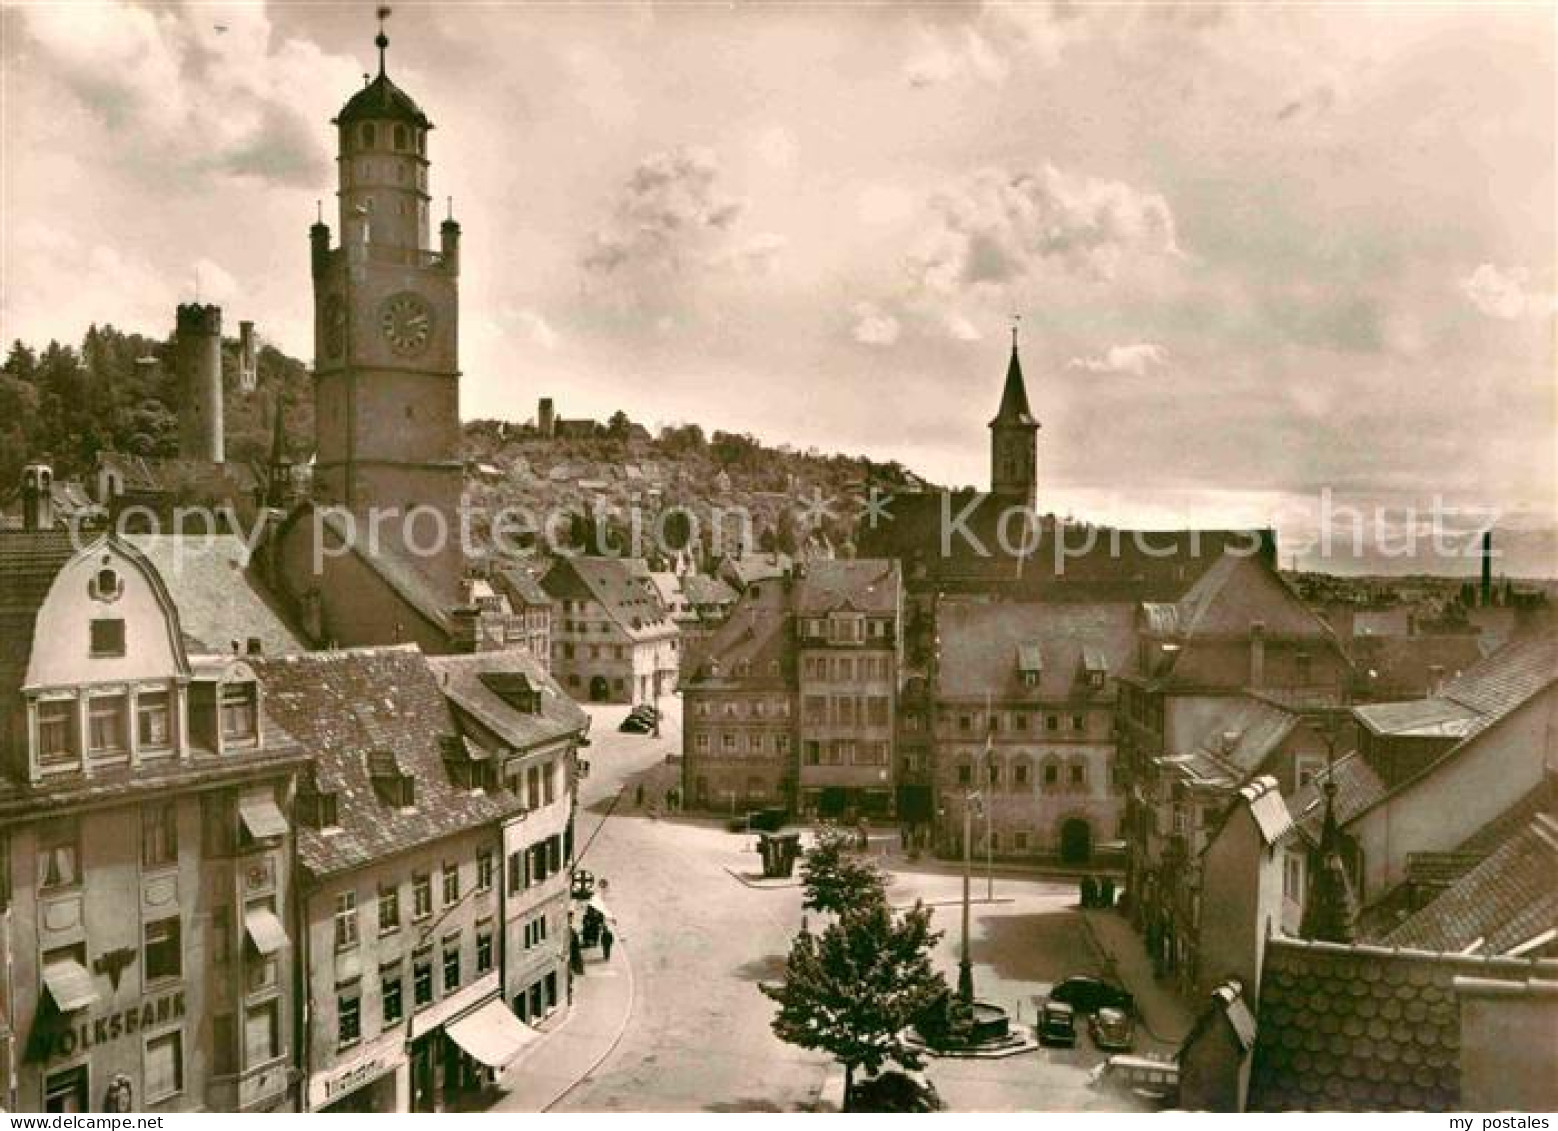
x=262, y=817
x=492, y=1034
x=70, y=985
x=265, y=929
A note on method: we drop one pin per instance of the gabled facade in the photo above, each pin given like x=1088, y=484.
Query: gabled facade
x=612, y=641
x=144, y=793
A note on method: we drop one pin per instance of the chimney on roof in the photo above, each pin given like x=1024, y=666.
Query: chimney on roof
x=37, y=497
x=1485, y=594
x=1257, y=653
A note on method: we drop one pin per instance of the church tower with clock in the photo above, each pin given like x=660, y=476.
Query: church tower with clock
x=386, y=337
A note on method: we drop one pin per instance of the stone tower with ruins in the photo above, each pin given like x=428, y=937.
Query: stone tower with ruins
x=197, y=360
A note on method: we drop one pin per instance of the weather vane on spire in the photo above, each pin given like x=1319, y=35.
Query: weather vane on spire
x=382, y=40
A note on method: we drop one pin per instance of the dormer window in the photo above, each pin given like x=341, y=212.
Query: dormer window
x=318, y=809
x=370, y=135
x=240, y=721
x=392, y=784
x=56, y=731
x=467, y=763
x=1030, y=664
x=515, y=689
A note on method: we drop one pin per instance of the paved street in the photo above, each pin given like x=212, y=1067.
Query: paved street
x=700, y=940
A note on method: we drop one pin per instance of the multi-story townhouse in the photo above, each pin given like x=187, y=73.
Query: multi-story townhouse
x=611, y=640
x=738, y=692
x=847, y=629
x=531, y=624
x=517, y=717
x=401, y=840
x=145, y=850
x=1237, y=630
x=1024, y=719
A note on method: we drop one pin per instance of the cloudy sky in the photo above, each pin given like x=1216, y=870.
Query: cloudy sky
x=1257, y=252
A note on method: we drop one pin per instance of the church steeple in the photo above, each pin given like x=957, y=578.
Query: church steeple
x=1330, y=910
x=1013, y=437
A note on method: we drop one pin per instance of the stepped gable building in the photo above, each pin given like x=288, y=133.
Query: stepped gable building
x=403, y=833
x=612, y=641
x=386, y=396
x=145, y=847
x=1023, y=715
x=999, y=541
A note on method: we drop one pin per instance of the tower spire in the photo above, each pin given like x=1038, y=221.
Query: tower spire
x=381, y=40
x=1331, y=910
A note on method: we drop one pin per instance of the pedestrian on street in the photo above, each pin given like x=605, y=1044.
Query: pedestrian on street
x=606, y=939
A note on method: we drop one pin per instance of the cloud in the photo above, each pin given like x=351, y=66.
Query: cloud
x=1133, y=360
x=960, y=329
x=776, y=147
x=536, y=328
x=997, y=227
x=873, y=326
x=197, y=101
x=1498, y=294
x=946, y=55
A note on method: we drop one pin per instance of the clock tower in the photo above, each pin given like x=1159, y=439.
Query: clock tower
x=386, y=338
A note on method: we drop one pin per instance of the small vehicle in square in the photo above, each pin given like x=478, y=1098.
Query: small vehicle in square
x=1154, y=1082
x=1057, y=1024
x=1087, y=994
x=1111, y=1029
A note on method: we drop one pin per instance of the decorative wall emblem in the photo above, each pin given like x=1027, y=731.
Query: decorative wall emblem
x=113, y=964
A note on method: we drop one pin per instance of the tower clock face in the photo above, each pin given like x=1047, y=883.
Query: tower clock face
x=335, y=326
x=407, y=323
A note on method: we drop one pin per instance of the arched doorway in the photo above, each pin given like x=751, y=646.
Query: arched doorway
x=1076, y=841
x=600, y=690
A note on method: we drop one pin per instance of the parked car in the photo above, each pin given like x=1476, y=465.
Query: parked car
x=1057, y=1024
x=636, y=724
x=1088, y=994
x=1154, y=1082
x=1111, y=1029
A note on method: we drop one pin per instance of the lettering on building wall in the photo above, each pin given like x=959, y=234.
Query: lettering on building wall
x=58, y=1037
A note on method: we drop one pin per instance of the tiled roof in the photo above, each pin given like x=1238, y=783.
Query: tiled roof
x=755, y=635
x=28, y=565
x=862, y=584
x=1363, y=1028
x=1405, y=665
x=1418, y=718
x=626, y=599
x=1358, y=785
x=346, y=706
x=1508, y=677
x=702, y=590
x=408, y=582
x=1508, y=899
x=750, y=568
x=1246, y=737
x=462, y=680
x=981, y=642
x=220, y=599
x=1267, y=809
x=521, y=587
x=1237, y=591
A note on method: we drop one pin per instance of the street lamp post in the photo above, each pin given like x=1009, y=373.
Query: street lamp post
x=965, y=965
